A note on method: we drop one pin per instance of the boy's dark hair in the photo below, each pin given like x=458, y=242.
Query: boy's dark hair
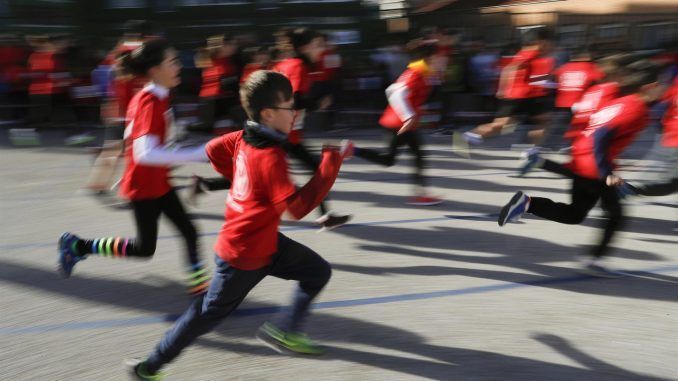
x=140, y=60
x=536, y=35
x=638, y=74
x=264, y=88
x=419, y=48
x=59, y=37
x=544, y=34
x=581, y=53
x=300, y=37
x=255, y=50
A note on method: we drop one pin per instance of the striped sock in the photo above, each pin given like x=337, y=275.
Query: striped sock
x=198, y=279
x=106, y=247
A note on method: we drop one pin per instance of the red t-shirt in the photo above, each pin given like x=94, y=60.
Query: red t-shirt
x=327, y=67
x=146, y=115
x=124, y=90
x=670, y=120
x=212, y=76
x=44, y=66
x=257, y=198
x=591, y=101
x=518, y=85
x=418, y=92
x=504, y=61
x=625, y=117
x=540, y=70
x=12, y=64
x=573, y=79
x=249, y=69
x=296, y=71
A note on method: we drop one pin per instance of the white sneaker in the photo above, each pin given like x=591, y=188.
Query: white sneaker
x=330, y=221
x=595, y=268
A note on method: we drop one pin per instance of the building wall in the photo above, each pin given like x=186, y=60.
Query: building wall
x=591, y=7
x=607, y=24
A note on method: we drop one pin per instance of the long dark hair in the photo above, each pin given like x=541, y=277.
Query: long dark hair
x=137, y=62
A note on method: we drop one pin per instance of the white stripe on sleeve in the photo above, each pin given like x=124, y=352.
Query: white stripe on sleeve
x=148, y=151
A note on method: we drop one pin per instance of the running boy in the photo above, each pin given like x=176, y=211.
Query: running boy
x=307, y=47
x=406, y=97
x=594, y=152
x=522, y=91
x=249, y=246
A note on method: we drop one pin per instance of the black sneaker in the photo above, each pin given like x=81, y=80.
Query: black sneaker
x=330, y=221
x=196, y=188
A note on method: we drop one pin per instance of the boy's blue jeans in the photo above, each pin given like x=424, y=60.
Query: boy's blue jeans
x=228, y=289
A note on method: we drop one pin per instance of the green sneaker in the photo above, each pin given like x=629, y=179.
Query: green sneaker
x=79, y=139
x=296, y=342
x=136, y=369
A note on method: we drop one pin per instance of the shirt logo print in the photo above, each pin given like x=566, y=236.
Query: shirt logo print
x=241, y=187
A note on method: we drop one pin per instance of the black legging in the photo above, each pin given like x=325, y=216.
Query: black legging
x=657, y=189
x=585, y=194
x=413, y=141
x=147, y=214
x=649, y=189
x=301, y=153
x=216, y=183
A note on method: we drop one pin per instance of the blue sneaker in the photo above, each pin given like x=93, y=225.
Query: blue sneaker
x=514, y=209
x=532, y=159
x=68, y=254
x=625, y=190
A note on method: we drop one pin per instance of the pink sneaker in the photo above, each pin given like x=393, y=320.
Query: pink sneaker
x=424, y=200
x=346, y=149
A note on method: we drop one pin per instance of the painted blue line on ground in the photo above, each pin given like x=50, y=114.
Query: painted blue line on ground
x=112, y=323
x=340, y=181
x=283, y=229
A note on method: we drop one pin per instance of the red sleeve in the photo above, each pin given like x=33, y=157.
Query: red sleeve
x=220, y=151
x=51, y=63
x=280, y=187
x=671, y=92
x=523, y=57
x=595, y=73
x=310, y=195
x=149, y=119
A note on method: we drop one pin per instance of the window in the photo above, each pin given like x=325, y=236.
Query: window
x=344, y=37
x=127, y=4
x=611, y=31
x=572, y=36
x=191, y=3
x=656, y=35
